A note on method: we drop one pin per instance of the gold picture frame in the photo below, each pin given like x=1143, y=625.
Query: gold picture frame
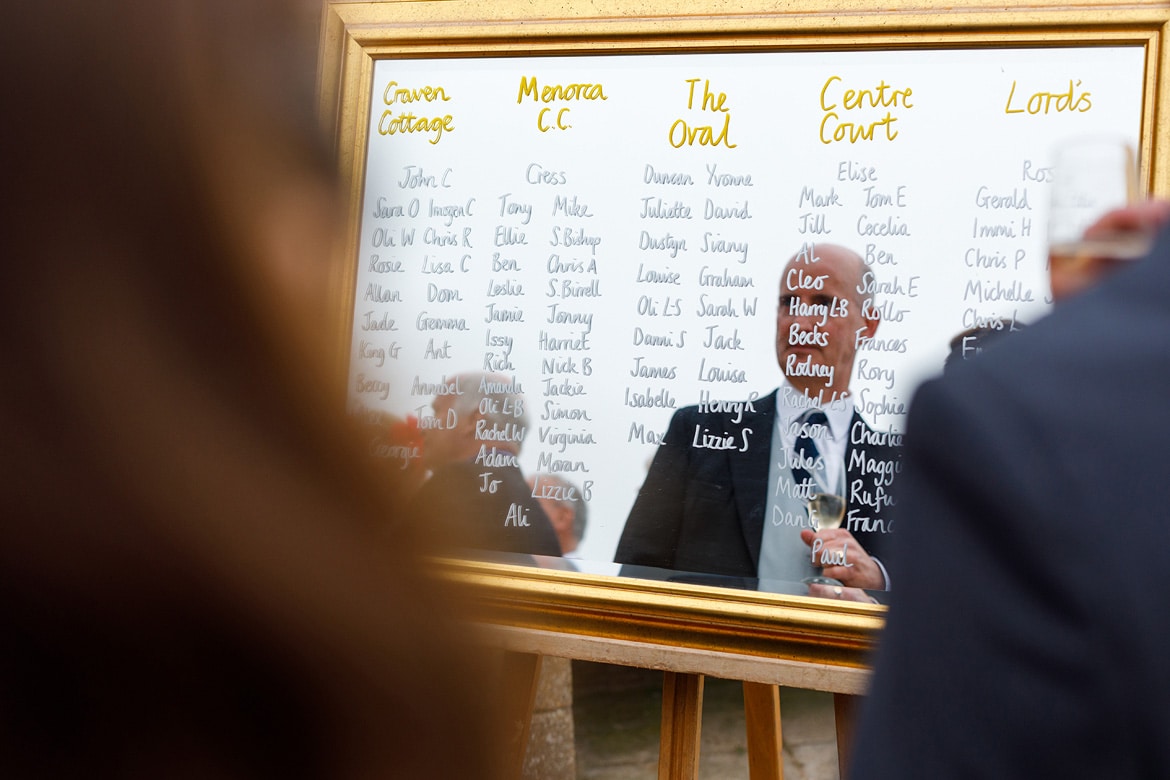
x=760, y=637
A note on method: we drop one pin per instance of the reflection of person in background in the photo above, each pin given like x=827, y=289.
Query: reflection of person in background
x=973, y=341
x=476, y=491
x=195, y=573
x=1028, y=633
x=726, y=491
x=395, y=443
x=565, y=506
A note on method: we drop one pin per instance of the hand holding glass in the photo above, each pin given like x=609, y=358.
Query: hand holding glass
x=1090, y=178
x=825, y=511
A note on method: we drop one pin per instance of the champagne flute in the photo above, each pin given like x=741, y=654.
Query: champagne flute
x=825, y=511
x=1091, y=176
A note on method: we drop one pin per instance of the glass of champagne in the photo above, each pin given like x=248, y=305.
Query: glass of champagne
x=825, y=511
x=1091, y=176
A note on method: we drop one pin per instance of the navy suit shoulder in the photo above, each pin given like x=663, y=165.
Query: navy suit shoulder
x=1033, y=547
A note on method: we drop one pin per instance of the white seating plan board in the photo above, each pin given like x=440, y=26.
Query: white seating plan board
x=608, y=232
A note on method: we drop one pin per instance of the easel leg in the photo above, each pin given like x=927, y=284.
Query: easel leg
x=682, y=714
x=845, y=708
x=761, y=704
x=519, y=678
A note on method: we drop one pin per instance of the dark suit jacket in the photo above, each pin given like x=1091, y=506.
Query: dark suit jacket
x=703, y=510
x=452, y=500
x=1029, y=629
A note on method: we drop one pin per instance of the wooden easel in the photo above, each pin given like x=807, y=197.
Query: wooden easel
x=682, y=710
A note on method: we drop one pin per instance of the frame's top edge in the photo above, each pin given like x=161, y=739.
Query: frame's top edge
x=597, y=8
x=672, y=15
x=456, y=23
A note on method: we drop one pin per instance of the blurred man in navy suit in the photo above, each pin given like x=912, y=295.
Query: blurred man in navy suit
x=1027, y=637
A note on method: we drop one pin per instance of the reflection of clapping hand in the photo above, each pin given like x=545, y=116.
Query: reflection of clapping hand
x=859, y=570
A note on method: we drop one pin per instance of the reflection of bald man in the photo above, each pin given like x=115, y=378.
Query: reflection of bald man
x=740, y=509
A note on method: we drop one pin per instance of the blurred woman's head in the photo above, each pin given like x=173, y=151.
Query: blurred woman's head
x=193, y=558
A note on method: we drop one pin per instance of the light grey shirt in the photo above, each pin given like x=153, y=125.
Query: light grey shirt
x=783, y=556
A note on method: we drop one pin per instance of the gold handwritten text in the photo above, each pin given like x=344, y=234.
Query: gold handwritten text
x=408, y=122
x=556, y=93
x=1070, y=101
x=684, y=134
x=835, y=97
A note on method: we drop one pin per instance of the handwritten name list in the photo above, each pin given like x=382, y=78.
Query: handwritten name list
x=606, y=237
